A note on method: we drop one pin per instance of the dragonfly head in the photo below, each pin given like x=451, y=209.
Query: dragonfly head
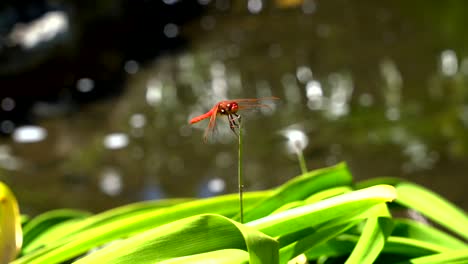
x=233, y=107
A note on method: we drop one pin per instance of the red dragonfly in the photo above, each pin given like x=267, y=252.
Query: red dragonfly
x=230, y=108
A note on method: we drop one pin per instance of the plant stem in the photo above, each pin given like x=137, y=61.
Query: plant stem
x=302, y=162
x=240, y=176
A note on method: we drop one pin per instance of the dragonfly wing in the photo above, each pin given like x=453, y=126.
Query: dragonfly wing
x=212, y=123
x=250, y=106
x=253, y=102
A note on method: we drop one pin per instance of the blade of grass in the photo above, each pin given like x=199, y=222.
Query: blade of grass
x=372, y=240
x=314, y=198
x=451, y=257
x=224, y=256
x=412, y=247
x=66, y=247
x=300, y=188
x=309, y=239
x=415, y=230
x=200, y=234
x=334, y=191
x=345, y=205
x=359, y=216
x=342, y=245
x=42, y=222
x=74, y=226
x=70, y=228
x=434, y=207
x=376, y=181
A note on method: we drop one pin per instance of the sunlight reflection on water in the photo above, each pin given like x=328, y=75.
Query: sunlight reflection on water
x=111, y=182
x=29, y=134
x=448, y=62
x=116, y=141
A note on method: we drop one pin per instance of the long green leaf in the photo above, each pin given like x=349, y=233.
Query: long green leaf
x=45, y=221
x=416, y=230
x=343, y=206
x=377, y=181
x=65, y=248
x=357, y=217
x=76, y=225
x=334, y=191
x=451, y=257
x=343, y=245
x=194, y=235
x=307, y=240
x=412, y=247
x=300, y=188
x=372, y=240
x=434, y=207
x=224, y=256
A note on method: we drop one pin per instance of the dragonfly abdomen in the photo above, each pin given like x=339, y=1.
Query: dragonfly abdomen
x=201, y=117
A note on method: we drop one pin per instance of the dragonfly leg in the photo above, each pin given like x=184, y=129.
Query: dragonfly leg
x=236, y=119
x=232, y=123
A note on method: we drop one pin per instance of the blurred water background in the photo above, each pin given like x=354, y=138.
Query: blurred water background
x=96, y=96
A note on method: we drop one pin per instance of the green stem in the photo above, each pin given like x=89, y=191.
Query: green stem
x=240, y=179
x=302, y=162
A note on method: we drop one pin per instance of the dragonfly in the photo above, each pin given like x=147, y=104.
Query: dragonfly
x=230, y=108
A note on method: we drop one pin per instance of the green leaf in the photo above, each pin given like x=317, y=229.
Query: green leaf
x=24, y=219
x=354, y=219
x=376, y=181
x=194, y=235
x=45, y=221
x=314, y=215
x=372, y=240
x=334, y=191
x=307, y=239
x=412, y=247
x=288, y=206
x=103, y=231
x=343, y=244
x=451, y=257
x=415, y=230
x=76, y=225
x=224, y=256
x=10, y=225
x=343, y=206
x=338, y=246
x=433, y=207
x=299, y=188
x=315, y=198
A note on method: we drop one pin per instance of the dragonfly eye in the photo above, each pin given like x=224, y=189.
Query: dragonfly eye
x=233, y=107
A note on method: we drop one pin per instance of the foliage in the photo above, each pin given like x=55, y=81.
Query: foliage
x=319, y=216
x=10, y=225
